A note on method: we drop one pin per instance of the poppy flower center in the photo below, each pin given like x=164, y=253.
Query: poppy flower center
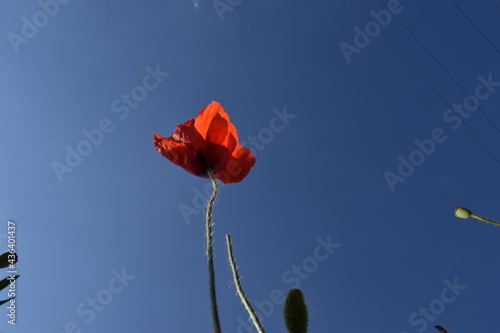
x=201, y=158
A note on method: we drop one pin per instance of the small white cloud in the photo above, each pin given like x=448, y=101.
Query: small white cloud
x=195, y=3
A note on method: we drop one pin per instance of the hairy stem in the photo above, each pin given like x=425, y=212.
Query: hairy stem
x=236, y=277
x=210, y=259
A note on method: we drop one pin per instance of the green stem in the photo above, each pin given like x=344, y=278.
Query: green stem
x=236, y=277
x=210, y=259
x=484, y=220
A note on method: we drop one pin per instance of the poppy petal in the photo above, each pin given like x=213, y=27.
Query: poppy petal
x=237, y=166
x=208, y=141
x=181, y=153
x=204, y=119
x=231, y=141
x=217, y=131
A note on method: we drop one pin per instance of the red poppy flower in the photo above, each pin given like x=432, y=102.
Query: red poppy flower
x=209, y=141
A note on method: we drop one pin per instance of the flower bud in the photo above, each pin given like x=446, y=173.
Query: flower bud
x=463, y=213
x=295, y=312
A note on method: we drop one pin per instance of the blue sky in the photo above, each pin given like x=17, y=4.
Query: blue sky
x=362, y=156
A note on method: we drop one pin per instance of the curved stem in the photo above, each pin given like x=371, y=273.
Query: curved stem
x=484, y=220
x=243, y=298
x=210, y=259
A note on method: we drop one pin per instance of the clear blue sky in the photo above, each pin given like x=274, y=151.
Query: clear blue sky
x=331, y=117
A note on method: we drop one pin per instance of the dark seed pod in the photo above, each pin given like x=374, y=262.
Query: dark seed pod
x=295, y=312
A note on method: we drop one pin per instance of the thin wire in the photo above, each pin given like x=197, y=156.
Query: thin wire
x=475, y=26
x=485, y=174
x=495, y=5
x=439, y=94
x=443, y=68
x=430, y=85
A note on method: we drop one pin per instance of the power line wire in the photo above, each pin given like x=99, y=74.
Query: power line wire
x=475, y=26
x=442, y=67
x=495, y=5
x=433, y=88
x=429, y=84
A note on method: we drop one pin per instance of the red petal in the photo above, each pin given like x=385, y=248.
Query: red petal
x=217, y=131
x=237, y=167
x=204, y=119
x=208, y=141
x=187, y=133
x=180, y=153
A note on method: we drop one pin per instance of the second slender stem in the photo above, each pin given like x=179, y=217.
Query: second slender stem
x=210, y=259
x=239, y=289
x=484, y=220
